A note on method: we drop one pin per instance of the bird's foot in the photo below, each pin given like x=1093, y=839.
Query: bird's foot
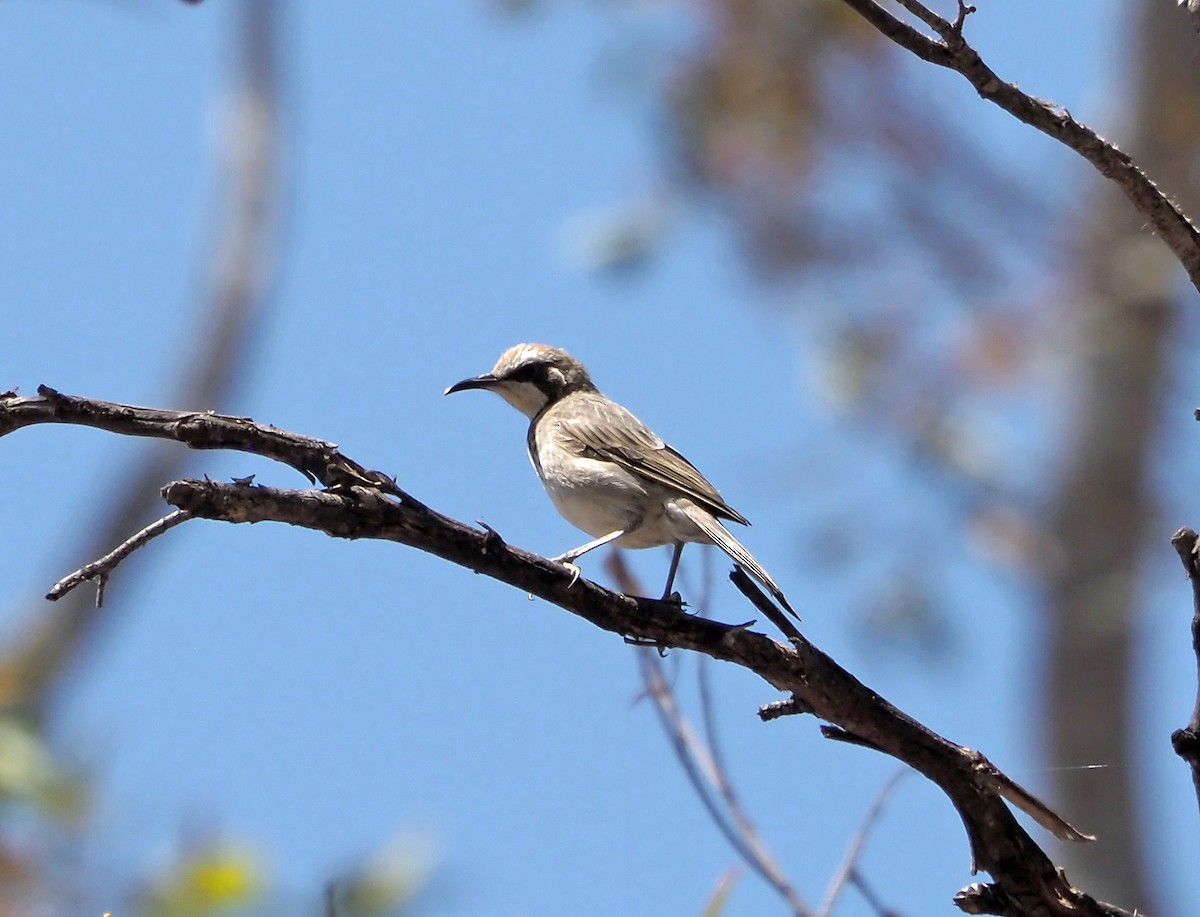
x=660, y=647
x=673, y=598
x=568, y=561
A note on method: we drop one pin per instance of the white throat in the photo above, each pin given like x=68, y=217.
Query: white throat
x=524, y=396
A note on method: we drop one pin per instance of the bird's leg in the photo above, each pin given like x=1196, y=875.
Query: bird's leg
x=576, y=553
x=568, y=559
x=675, y=555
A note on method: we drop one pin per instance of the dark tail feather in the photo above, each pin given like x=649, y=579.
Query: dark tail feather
x=723, y=539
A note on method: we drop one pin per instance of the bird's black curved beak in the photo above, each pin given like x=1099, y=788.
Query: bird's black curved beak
x=487, y=380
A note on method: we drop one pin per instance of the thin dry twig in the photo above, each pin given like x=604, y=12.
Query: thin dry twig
x=859, y=881
x=932, y=19
x=706, y=774
x=100, y=569
x=763, y=863
x=702, y=761
x=759, y=600
x=849, y=868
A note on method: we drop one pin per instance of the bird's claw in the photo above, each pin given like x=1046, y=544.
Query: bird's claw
x=566, y=561
x=574, y=573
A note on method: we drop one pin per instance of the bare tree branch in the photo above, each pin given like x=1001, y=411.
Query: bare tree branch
x=359, y=507
x=702, y=761
x=317, y=460
x=1186, y=741
x=746, y=829
x=849, y=868
x=704, y=771
x=101, y=568
x=952, y=52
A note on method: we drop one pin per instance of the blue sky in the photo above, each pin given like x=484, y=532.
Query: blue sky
x=316, y=698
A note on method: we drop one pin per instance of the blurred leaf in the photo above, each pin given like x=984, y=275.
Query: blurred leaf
x=30, y=773
x=386, y=882
x=25, y=764
x=616, y=239
x=214, y=879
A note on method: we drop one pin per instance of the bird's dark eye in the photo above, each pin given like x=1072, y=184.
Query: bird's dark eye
x=527, y=373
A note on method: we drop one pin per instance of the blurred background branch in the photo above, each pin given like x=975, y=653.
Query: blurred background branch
x=44, y=657
x=237, y=276
x=1061, y=309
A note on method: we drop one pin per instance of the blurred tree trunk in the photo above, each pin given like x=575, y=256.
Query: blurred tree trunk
x=1125, y=315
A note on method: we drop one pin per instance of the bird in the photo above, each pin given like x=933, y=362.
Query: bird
x=606, y=472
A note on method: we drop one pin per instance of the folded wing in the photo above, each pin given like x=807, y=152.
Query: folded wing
x=605, y=430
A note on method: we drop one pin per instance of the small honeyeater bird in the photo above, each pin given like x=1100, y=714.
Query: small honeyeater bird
x=606, y=471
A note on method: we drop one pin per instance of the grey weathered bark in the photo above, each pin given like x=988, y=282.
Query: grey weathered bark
x=1128, y=307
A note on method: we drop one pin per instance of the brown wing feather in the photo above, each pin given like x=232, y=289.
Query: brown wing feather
x=608, y=431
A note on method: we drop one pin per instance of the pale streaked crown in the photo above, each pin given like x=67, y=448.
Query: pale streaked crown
x=537, y=362
x=530, y=376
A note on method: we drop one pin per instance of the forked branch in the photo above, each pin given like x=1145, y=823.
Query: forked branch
x=99, y=569
x=360, y=503
x=951, y=50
